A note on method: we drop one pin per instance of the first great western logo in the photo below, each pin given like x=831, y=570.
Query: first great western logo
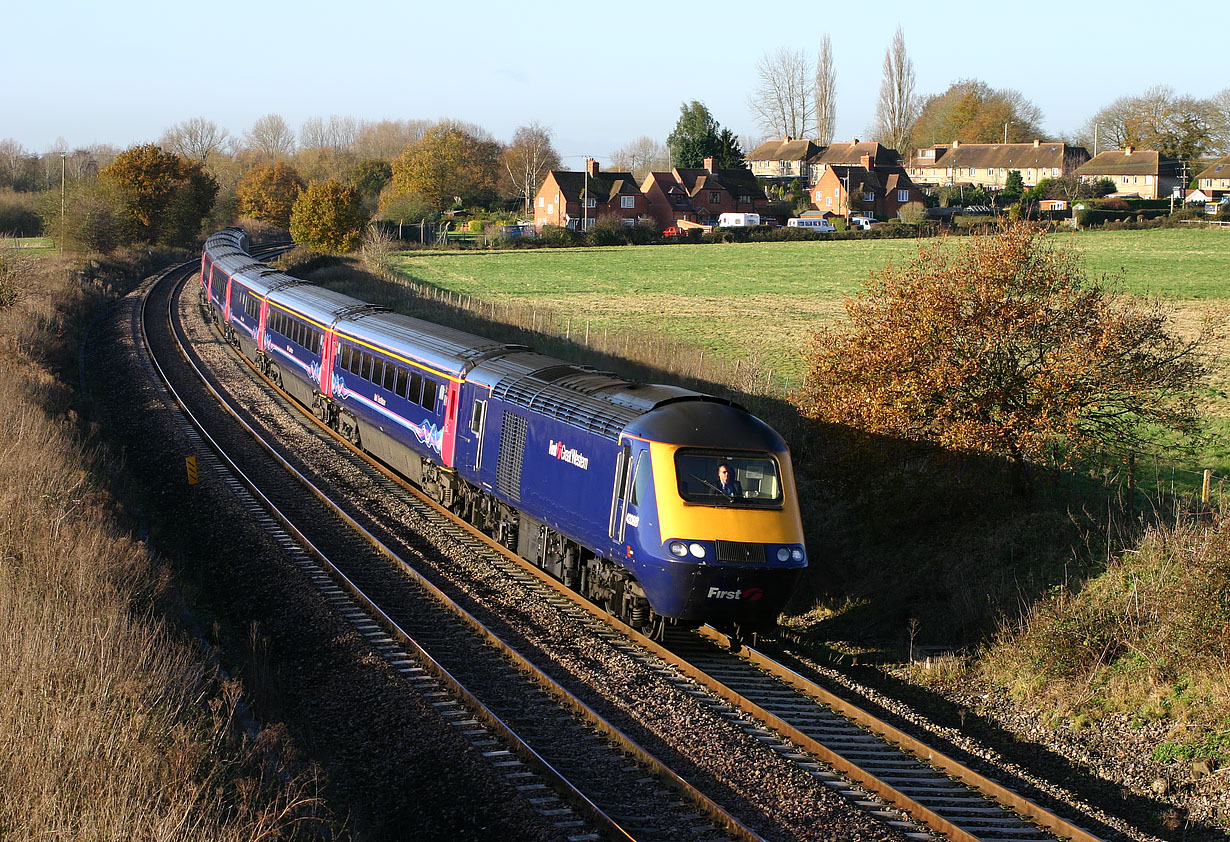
x=567, y=454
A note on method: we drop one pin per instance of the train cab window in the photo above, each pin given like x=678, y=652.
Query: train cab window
x=403, y=379
x=390, y=376
x=641, y=485
x=429, y=394
x=416, y=388
x=728, y=478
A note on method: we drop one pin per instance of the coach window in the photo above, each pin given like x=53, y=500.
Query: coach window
x=343, y=358
x=403, y=378
x=429, y=394
x=390, y=376
x=416, y=388
x=377, y=377
x=365, y=366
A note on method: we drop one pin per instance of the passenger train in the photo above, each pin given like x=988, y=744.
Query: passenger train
x=611, y=486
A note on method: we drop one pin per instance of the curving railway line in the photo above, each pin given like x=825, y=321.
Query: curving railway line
x=608, y=734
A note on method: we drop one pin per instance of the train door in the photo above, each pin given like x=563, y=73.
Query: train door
x=226, y=301
x=478, y=426
x=328, y=351
x=204, y=274
x=262, y=322
x=448, y=444
x=619, y=499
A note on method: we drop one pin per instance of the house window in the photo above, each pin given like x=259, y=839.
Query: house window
x=1148, y=179
x=828, y=202
x=1055, y=172
x=1125, y=181
x=972, y=172
x=869, y=196
x=715, y=198
x=837, y=193
x=550, y=209
x=541, y=200
x=627, y=201
x=591, y=203
x=903, y=196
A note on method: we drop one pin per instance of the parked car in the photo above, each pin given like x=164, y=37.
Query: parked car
x=820, y=226
x=863, y=223
x=672, y=231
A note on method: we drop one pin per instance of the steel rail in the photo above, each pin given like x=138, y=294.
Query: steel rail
x=715, y=811
x=1026, y=808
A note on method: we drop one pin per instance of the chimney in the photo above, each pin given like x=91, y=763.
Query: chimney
x=854, y=142
x=709, y=165
x=1127, y=150
x=591, y=167
x=955, y=144
x=1037, y=143
x=864, y=161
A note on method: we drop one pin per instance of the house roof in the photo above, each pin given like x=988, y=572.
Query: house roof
x=604, y=186
x=997, y=155
x=1128, y=162
x=852, y=153
x=856, y=178
x=789, y=149
x=1218, y=169
x=738, y=182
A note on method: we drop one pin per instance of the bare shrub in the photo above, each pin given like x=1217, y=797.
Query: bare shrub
x=110, y=728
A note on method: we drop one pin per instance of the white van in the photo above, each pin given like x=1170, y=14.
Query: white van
x=820, y=226
x=863, y=223
x=738, y=220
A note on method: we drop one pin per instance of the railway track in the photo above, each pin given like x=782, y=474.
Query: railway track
x=838, y=748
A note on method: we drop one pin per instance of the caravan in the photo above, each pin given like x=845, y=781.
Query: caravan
x=738, y=220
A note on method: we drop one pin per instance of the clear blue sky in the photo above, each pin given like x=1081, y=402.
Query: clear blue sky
x=598, y=75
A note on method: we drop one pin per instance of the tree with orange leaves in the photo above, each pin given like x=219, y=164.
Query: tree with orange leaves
x=1003, y=345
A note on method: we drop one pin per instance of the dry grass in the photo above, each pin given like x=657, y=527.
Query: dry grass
x=110, y=727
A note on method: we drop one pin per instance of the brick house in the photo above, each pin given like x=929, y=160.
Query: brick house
x=701, y=194
x=783, y=159
x=1145, y=172
x=559, y=200
x=987, y=165
x=1214, y=181
x=845, y=190
x=856, y=153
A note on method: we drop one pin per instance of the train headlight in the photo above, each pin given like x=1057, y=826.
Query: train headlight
x=797, y=554
x=696, y=550
x=783, y=553
x=677, y=548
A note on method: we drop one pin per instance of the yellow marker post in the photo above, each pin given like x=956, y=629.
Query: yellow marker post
x=191, y=462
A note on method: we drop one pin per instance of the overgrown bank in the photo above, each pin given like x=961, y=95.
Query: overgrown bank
x=111, y=723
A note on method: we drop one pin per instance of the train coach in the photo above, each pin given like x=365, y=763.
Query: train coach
x=662, y=504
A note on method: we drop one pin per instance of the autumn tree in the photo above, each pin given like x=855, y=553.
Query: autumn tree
x=1178, y=126
x=898, y=104
x=448, y=163
x=369, y=177
x=1004, y=346
x=162, y=197
x=328, y=217
x=269, y=192
x=783, y=101
x=526, y=162
x=971, y=111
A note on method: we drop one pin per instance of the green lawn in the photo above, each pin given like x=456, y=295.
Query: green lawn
x=763, y=301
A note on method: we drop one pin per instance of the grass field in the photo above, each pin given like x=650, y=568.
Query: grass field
x=764, y=301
